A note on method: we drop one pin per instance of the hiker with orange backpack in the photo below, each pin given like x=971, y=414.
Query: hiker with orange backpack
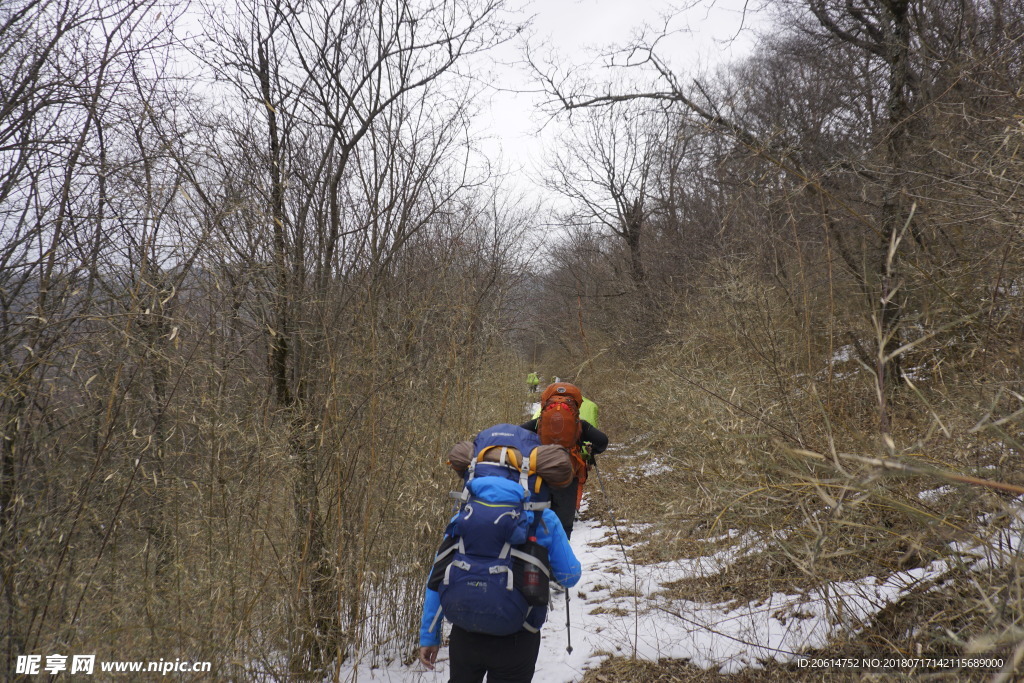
x=560, y=422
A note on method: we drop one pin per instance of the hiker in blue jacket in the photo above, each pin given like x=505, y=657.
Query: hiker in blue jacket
x=504, y=659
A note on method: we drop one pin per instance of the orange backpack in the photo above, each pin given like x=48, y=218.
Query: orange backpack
x=559, y=422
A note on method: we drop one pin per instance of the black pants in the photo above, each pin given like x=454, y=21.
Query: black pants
x=505, y=659
x=563, y=504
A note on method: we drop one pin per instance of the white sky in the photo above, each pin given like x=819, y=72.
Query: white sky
x=710, y=33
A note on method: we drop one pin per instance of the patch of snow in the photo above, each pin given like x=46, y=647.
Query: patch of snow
x=843, y=354
x=1004, y=544
x=933, y=495
x=655, y=467
x=621, y=609
x=732, y=533
x=916, y=374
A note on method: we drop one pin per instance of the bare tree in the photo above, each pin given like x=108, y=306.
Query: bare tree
x=220, y=305
x=62, y=64
x=853, y=157
x=342, y=92
x=605, y=168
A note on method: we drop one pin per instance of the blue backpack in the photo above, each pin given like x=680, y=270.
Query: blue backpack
x=490, y=545
x=524, y=441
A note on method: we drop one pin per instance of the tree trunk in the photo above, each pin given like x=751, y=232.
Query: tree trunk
x=632, y=231
x=894, y=213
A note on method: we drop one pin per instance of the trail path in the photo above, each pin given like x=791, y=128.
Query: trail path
x=594, y=635
x=616, y=611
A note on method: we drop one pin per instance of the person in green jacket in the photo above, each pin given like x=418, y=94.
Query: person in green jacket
x=532, y=382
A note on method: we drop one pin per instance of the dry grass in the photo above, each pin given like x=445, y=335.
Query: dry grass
x=714, y=456
x=619, y=670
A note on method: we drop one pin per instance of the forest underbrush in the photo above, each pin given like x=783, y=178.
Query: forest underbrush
x=772, y=480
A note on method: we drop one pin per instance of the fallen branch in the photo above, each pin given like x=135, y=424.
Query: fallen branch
x=897, y=466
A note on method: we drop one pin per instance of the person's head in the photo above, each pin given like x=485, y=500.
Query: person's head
x=562, y=389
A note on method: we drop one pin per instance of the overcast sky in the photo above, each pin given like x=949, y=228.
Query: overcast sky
x=712, y=32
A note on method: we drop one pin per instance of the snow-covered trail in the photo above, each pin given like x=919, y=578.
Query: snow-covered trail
x=608, y=620
x=594, y=635
x=620, y=609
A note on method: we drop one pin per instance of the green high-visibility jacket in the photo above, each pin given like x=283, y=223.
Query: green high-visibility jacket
x=588, y=411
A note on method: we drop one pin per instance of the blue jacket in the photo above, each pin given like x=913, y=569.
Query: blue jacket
x=550, y=534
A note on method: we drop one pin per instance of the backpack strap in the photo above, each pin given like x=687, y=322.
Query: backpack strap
x=448, y=570
x=533, y=468
x=443, y=555
x=530, y=464
x=526, y=624
x=533, y=505
x=440, y=613
x=499, y=569
x=534, y=560
x=506, y=458
x=535, y=524
x=524, y=471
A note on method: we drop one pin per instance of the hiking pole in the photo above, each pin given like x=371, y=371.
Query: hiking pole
x=568, y=626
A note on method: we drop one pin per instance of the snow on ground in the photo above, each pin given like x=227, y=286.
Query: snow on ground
x=606, y=619
x=720, y=636
x=615, y=610
x=843, y=354
x=934, y=495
